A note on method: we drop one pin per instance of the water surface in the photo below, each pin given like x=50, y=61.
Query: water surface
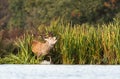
x=59, y=72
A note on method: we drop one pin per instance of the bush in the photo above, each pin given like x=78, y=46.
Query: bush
x=33, y=13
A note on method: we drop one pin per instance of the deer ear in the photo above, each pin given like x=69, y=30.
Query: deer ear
x=54, y=38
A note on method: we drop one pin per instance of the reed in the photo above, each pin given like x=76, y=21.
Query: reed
x=78, y=44
x=86, y=44
x=24, y=54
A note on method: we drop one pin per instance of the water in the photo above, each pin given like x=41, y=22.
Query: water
x=59, y=72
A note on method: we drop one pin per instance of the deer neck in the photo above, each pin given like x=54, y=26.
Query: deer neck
x=48, y=45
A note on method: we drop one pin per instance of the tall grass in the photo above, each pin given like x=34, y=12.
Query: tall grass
x=86, y=44
x=24, y=54
x=79, y=44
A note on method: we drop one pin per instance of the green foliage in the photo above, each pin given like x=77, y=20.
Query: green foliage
x=77, y=44
x=85, y=44
x=81, y=44
x=31, y=13
x=24, y=54
x=16, y=8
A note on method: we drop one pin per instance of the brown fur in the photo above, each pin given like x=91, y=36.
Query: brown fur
x=40, y=48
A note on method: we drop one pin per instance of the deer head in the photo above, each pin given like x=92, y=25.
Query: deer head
x=51, y=40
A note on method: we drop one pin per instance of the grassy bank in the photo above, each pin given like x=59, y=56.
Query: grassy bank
x=79, y=44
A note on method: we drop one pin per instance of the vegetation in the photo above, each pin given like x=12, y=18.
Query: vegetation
x=87, y=30
x=27, y=13
x=81, y=44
